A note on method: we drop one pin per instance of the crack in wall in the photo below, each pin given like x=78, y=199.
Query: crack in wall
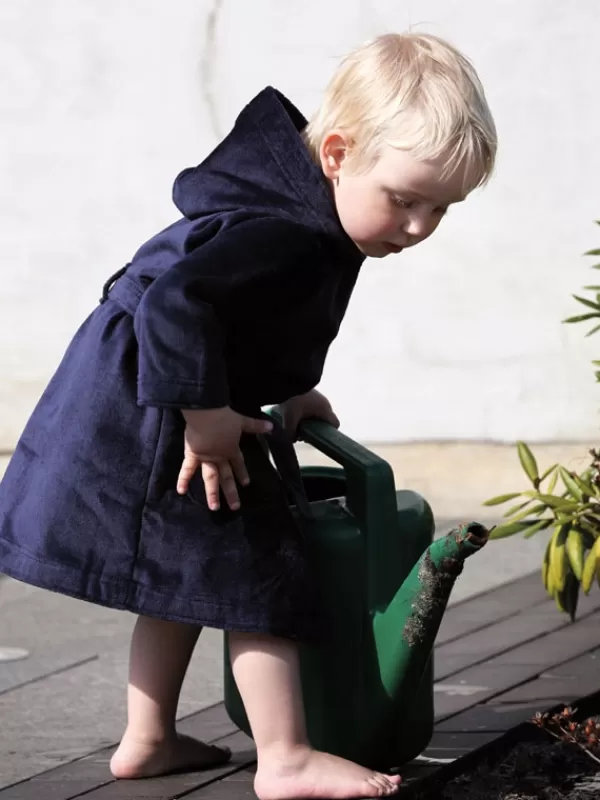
x=209, y=56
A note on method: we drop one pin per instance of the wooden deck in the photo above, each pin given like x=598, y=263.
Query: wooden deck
x=500, y=657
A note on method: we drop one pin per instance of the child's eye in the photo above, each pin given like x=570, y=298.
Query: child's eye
x=398, y=201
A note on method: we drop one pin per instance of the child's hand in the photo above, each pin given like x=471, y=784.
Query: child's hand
x=305, y=406
x=212, y=443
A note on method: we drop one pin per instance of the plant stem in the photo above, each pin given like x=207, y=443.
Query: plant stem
x=569, y=737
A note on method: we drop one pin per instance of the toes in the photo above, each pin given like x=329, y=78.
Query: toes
x=379, y=783
x=386, y=784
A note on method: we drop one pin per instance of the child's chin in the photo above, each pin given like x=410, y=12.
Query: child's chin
x=375, y=250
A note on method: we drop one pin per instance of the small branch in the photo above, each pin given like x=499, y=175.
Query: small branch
x=584, y=734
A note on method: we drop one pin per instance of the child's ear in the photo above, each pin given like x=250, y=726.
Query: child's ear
x=335, y=149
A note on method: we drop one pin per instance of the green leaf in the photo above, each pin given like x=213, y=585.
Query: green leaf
x=590, y=527
x=552, y=484
x=548, y=471
x=553, y=501
x=536, y=510
x=514, y=509
x=528, y=462
x=510, y=528
x=586, y=302
x=592, y=517
x=594, y=330
x=566, y=520
x=585, y=487
x=539, y=526
x=501, y=498
x=580, y=318
x=570, y=483
x=592, y=288
x=595, y=252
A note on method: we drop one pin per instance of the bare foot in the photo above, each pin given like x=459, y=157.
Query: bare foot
x=138, y=759
x=305, y=773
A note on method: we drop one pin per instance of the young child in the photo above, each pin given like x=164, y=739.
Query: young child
x=140, y=481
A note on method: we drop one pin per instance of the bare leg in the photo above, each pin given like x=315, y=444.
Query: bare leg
x=267, y=673
x=160, y=655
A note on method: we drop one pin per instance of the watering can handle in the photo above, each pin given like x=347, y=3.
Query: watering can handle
x=370, y=487
x=337, y=446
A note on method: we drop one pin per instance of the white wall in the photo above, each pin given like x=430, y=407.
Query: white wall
x=102, y=102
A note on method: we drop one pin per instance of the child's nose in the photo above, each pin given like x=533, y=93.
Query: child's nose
x=418, y=225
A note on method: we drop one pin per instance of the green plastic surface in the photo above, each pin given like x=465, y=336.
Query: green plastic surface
x=368, y=692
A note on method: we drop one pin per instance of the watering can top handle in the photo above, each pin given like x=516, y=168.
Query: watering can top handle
x=370, y=488
x=336, y=445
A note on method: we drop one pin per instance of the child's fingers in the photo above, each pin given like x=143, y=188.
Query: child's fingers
x=228, y=486
x=238, y=465
x=212, y=481
x=332, y=418
x=186, y=473
x=256, y=426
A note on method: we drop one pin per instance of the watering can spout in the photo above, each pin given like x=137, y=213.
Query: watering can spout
x=420, y=604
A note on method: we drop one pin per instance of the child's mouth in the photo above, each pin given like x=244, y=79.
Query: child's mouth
x=393, y=248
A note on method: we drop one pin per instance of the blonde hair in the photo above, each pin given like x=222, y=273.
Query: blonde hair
x=414, y=92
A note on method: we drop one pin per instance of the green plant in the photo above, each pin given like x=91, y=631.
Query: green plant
x=572, y=557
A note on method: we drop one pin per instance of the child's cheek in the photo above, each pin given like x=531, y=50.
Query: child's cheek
x=368, y=221
x=378, y=227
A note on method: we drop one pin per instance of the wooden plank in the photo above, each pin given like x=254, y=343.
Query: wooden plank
x=174, y=786
x=208, y=725
x=488, y=717
x=37, y=667
x=562, y=684
x=589, y=663
x=502, y=602
x=476, y=685
x=86, y=774
x=65, y=782
x=49, y=790
x=449, y=745
x=238, y=786
x=575, y=639
x=503, y=636
x=498, y=675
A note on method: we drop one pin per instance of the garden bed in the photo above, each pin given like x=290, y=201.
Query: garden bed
x=526, y=763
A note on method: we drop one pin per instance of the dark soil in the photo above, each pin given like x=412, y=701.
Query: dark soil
x=535, y=770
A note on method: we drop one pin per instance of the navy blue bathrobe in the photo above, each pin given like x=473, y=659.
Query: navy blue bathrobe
x=235, y=303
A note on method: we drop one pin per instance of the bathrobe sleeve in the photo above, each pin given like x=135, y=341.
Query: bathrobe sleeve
x=181, y=323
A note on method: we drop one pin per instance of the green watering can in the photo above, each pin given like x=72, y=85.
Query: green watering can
x=368, y=692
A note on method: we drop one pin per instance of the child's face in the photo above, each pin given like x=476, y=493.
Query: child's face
x=397, y=203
